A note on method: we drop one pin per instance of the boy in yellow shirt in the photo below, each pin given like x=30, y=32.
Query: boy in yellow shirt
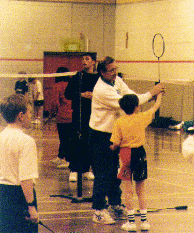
x=129, y=134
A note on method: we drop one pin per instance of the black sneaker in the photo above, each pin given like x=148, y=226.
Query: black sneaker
x=118, y=212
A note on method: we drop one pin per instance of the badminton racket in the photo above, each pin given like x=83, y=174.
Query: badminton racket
x=158, y=47
x=184, y=207
x=26, y=214
x=40, y=223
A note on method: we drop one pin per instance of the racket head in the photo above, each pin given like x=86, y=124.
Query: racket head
x=158, y=45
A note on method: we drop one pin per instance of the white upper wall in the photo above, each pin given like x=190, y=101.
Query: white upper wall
x=30, y=28
x=142, y=20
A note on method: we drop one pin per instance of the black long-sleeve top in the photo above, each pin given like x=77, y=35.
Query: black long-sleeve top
x=73, y=92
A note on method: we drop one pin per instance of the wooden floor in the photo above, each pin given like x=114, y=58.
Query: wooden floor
x=170, y=184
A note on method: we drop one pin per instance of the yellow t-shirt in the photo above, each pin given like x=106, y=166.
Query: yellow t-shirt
x=129, y=130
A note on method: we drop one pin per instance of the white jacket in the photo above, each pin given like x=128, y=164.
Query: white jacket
x=105, y=106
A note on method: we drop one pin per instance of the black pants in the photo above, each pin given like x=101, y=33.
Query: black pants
x=12, y=207
x=64, y=131
x=105, y=166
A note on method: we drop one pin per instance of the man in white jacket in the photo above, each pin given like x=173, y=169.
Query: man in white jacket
x=105, y=110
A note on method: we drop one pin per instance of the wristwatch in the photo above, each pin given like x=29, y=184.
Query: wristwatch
x=33, y=203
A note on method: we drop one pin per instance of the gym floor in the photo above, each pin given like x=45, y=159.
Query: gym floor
x=170, y=184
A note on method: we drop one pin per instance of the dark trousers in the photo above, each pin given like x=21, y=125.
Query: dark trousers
x=64, y=131
x=12, y=208
x=105, y=165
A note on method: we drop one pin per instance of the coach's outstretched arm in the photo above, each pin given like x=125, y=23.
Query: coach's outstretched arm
x=150, y=95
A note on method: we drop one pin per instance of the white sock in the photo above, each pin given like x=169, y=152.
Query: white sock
x=143, y=215
x=131, y=216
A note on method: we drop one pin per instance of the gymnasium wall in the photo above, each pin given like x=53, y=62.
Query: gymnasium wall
x=173, y=19
x=177, y=103
x=124, y=31
x=136, y=25
x=28, y=28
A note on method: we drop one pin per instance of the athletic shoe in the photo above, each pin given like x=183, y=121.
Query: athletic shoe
x=145, y=226
x=65, y=164
x=129, y=226
x=191, y=129
x=88, y=176
x=57, y=161
x=179, y=126
x=37, y=121
x=73, y=177
x=103, y=217
x=118, y=212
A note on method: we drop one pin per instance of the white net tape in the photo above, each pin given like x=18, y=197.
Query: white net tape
x=125, y=78
x=37, y=75
x=176, y=81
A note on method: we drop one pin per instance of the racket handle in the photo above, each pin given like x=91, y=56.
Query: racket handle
x=183, y=207
x=46, y=227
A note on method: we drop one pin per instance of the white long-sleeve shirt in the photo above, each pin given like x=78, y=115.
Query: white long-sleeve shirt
x=105, y=105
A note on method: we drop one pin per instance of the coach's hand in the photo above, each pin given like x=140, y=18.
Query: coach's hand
x=157, y=89
x=87, y=95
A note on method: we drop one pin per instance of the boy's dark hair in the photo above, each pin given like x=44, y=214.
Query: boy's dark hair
x=92, y=55
x=128, y=103
x=30, y=79
x=62, y=69
x=103, y=63
x=62, y=78
x=11, y=106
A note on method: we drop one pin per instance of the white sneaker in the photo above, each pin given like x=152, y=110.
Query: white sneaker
x=103, y=217
x=129, y=226
x=88, y=176
x=73, y=176
x=190, y=129
x=118, y=212
x=179, y=126
x=65, y=164
x=57, y=161
x=37, y=121
x=145, y=226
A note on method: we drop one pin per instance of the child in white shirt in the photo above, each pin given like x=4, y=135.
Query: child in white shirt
x=18, y=168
